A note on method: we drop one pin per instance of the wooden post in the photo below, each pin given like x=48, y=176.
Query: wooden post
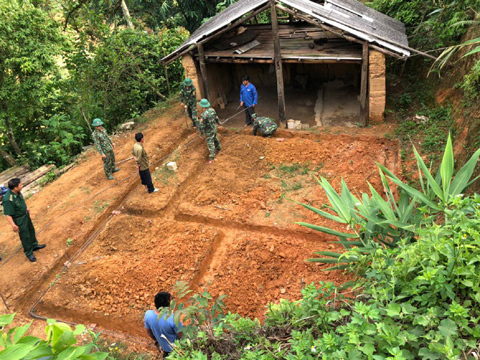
x=203, y=71
x=278, y=63
x=363, y=86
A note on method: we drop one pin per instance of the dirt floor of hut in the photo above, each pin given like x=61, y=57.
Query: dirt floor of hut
x=331, y=104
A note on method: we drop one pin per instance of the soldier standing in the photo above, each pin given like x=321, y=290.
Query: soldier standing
x=208, y=127
x=266, y=125
x=18, y=217
x=188, y=98
x=105, y=148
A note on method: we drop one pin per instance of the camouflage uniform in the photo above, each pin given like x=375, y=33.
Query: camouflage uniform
x=188, y=96
x=104, y=146
x=208, y=126
x=266, y=125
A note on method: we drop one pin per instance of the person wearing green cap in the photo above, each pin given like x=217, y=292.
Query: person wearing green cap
x=208, y=127
x=105, y=148
x=266, y=125
x=188, y=99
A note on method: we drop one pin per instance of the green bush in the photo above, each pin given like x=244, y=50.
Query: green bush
x=123, y=75
x=471, y=82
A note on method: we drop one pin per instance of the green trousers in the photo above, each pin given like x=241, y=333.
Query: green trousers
x=213, y=144
x=109, y=163
x=192, y=113
x=27, y=233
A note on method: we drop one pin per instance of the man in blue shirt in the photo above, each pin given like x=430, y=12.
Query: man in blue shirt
x=248, y=99
x=156, y=327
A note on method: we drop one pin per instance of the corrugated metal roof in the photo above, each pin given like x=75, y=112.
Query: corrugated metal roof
x=350, y=16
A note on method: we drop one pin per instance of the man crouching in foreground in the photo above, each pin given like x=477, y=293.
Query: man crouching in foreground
x=157, y=326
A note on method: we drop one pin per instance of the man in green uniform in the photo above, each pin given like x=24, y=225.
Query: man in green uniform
x=266, y=125
x=188, y=98
x=105, y=148
x=208, y=127
x=18, y=217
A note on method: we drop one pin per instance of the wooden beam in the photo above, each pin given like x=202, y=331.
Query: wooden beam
x=203, y=71
x=218, y=33
x=278, y=63
x=363, y=86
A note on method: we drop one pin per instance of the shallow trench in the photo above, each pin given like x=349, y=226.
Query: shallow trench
x=110, y=326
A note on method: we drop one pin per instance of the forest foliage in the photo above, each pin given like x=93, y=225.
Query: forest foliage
x=65, y=62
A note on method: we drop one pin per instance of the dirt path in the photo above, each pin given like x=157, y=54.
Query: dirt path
x=227, y=227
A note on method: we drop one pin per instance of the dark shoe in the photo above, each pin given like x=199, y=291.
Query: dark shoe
x=110, y=177
x=39, y=247
x=32, y=258
x=218, y=150
x=116, y=169
x=154, y=190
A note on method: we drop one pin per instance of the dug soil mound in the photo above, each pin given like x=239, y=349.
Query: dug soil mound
x=228, y=227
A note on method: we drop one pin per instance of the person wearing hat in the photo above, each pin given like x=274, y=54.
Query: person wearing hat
x=266, y=125
x=188, y=99
x=18, y=217
x=105, y=148
x=208, y=127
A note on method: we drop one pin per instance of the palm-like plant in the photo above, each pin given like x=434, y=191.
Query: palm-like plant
x=375, y=220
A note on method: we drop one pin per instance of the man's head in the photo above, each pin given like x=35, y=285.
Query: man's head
x=162, y=299
x=188, y=82
x=15, y=185
x=139, y=137
x=254, y=116
x=245, y=80
x=97, y=123
x=204, y=103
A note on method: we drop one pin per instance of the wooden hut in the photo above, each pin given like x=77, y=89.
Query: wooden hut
x=307, y=47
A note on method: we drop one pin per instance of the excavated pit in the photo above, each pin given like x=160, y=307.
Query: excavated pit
x=227, y=227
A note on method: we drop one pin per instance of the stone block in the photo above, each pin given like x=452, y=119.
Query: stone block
x=172, y=166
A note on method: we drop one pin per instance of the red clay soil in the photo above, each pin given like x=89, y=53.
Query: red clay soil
x=227, y=227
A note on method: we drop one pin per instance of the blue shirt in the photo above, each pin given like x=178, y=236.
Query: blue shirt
x=248, y=94
x=161, y=326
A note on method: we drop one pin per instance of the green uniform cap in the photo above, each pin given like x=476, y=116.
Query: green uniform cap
x=254, y=116
x=97, y=122
x=188, y=82
x=204, y=103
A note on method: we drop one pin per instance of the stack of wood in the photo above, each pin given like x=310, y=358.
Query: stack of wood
x=30, y=180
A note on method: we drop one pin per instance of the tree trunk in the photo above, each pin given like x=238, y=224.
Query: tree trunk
x=126, y=14
x=8, y=158
x=11, y=137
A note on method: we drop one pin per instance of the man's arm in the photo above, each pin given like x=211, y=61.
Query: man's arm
x=179, y=335
x=241, y=95
x=11, y=223
x=255, y=128
x=137, y=154
x=255, y=95
x=97, y=145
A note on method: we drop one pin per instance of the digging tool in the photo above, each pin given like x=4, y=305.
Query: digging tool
x=172, y=345
x=185, y=116
x=231, y=117
x=125, y=160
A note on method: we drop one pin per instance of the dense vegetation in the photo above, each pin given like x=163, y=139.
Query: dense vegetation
x=56, y=76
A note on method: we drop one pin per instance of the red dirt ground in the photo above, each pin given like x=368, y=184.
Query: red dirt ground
x=227, y=227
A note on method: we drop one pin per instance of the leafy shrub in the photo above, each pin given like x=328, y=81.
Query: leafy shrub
x=58, y=345
x=471, y=82
x=123, y=76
